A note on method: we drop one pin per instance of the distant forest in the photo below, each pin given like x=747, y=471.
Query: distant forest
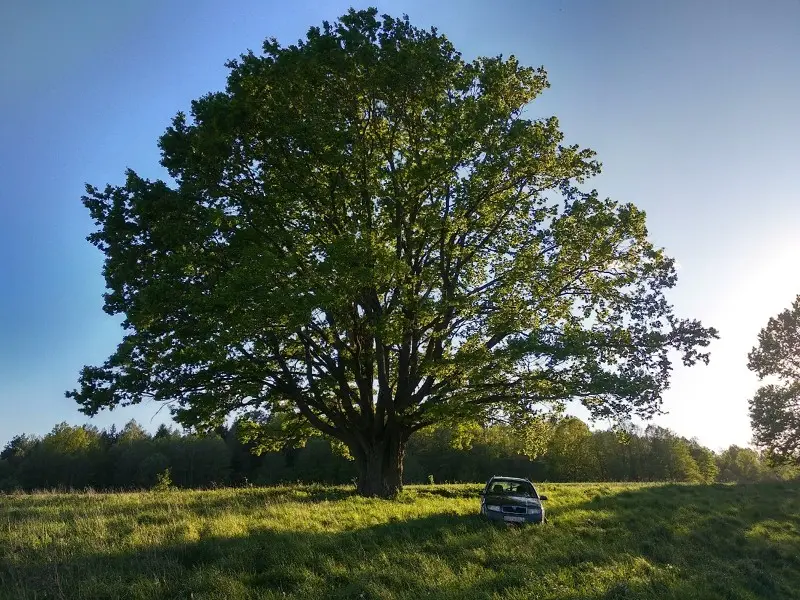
x=80, y=457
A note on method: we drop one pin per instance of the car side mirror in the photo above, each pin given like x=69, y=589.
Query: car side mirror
x=542, y=498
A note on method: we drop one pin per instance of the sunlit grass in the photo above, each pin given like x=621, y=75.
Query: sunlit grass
x=601, y=541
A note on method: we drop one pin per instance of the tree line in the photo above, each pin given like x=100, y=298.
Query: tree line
x=79, y=457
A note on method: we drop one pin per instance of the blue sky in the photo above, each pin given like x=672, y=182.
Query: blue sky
x=691, y=106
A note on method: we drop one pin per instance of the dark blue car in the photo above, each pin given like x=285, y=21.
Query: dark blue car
x=512, y=500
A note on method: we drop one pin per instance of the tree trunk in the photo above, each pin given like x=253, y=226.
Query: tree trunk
x=380, y=467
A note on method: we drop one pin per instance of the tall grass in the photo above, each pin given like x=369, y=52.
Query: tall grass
x=602, y=541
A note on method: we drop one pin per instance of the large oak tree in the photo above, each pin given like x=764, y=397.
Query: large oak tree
x=775, y=407
x=366, y=235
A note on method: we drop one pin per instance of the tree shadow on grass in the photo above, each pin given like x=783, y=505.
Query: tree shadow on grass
x=661, y=542
x=460, y=491
x=723, y=541
x=364, y=563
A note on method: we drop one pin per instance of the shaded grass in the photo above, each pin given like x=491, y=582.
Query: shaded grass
x=602, y=541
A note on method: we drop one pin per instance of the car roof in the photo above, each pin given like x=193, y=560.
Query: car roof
x=504, y=478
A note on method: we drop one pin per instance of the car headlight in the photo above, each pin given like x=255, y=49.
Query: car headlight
x=534, y=510
x=493, y=507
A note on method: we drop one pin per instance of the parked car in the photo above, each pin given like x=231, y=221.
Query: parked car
x=512, y=500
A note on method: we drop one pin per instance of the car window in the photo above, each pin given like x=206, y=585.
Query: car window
x=505, y=486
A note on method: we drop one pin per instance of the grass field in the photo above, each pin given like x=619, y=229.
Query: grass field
x=602, y=541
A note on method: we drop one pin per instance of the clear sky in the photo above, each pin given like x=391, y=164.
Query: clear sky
x=693, y=107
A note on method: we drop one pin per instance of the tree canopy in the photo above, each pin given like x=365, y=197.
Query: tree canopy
x=775, y=408
x=366, y=234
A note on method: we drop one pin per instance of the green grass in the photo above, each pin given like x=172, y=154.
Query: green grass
x=602, y=541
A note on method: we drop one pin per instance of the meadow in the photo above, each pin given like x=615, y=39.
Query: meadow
x=601, y=541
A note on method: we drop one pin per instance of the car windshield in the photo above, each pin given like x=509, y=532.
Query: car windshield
x=509, y=486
